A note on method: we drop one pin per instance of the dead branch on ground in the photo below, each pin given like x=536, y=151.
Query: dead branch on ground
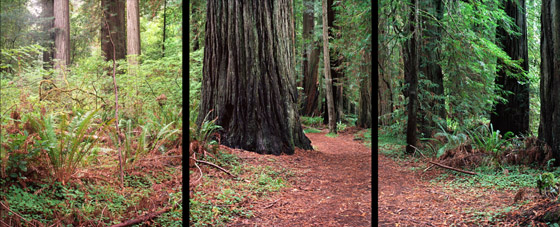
x=451, y=168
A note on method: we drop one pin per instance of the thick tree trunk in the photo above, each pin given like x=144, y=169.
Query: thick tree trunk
x=62, y=37
x=310, y=62
x=514, y=115
x=411, y=69
x=549, y=128
x=431, y=36
x=133, y=33
x=48, y=24
x=248, y=76
x=114, y=15
x=328, y=79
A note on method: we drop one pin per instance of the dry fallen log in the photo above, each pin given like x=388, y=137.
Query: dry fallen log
x=451, y=168
x=215, y=166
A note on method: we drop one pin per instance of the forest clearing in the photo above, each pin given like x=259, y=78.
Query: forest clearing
x=91, y=99
x=468, y=113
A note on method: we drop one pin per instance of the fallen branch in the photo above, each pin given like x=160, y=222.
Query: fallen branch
x=142, y=219
x=215, y=166
x=271, y=204
x=7, y=208
x=451, y=168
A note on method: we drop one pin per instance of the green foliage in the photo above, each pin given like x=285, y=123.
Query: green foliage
x=331, y=135
x=454, y=140
x=311, y=130
x=548, y=183
x=66, y=143
x=311, y=121
x=488, y=140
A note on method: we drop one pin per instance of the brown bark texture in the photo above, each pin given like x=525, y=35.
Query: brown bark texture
x=411, y=68
x=133, y=31
x=62, y=34
x=514, y=115
x=47, y=26
x=434, y=110
x=335, y=61
x=311, y=52
x=248, y=74
x=114, y=15
x=549, y=127
x=328, y=78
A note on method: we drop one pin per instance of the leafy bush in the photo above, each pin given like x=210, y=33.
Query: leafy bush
x=311, y=121
x=454, y=140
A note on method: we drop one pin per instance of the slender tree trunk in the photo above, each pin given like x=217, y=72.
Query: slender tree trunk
x=431, y=36
x=62, y=37
x=164, y=27
x=411, y=69
x=133, y=33
x=328, y=79
x=114, y=15
x=364, y=115
x=514, y=115
x=335, y=61
x=248, y=76
x=310, y=62
x=48, y=15
x=549, y=127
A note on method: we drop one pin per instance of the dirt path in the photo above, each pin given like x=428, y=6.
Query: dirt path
x=331, y=186
x=406, y=198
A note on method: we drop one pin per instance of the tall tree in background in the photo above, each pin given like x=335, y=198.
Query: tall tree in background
x=247, y=76
x=336, y=60
x=133, y=31
x=62, y=37
x=364, y=113
x=113, y=17
x=328, y=77
x=411, y=69
x=549, y=127
x=310, y=61
x=47, y=14
x=434, y=108
x=164, y=27
x=514, y=114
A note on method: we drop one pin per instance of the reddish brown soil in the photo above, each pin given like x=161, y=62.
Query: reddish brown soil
x=407, y=198
x=331, y=187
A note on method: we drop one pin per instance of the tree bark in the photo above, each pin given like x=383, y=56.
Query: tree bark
x=62, y=35
x=114, y=15
x=248, y=76
x=514, y=115
x=549, y=127
x=48, y=24
x=310, y=62
x=364, y=115
x=431, y=36
x=133, y=33
x=411, y=69
x=328, y=79
x=335, y=61
x=164, y=27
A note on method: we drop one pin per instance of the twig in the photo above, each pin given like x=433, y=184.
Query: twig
x=271, y=204
x=429, y=167
x=216, y=166
x=16, y=213
x=451, y=168
x=194, y=157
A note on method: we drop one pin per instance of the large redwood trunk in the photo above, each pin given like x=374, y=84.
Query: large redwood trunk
x=248, y=73
x=113, y=16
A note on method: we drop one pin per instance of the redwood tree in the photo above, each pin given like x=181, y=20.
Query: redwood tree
x=113, y=16
x=310, y=62
x=133, y=30
x=411, y=68
x=62, y=35
x=549, y=127
x=248, y=76
x=514, y=114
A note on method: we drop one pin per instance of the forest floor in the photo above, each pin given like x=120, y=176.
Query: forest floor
x=411, y=194
x=331, y=185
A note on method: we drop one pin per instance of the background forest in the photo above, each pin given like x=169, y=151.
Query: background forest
x=68, y=154
x=473, y=85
